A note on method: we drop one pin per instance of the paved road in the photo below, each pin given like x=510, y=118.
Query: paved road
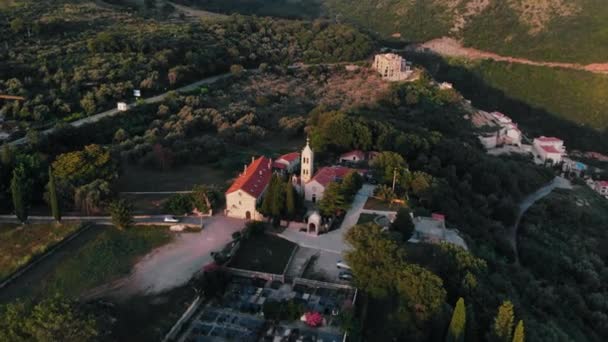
x=333, y=241
x=528, y=202
x=154, y=99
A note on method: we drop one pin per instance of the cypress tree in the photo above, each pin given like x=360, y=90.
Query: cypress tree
x=504, y=321
x=519, y=335
x=55, y=210
x=18, y=193
x=290, y=200
x=456, y=331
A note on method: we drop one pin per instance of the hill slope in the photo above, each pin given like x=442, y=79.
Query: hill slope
x=557, y=30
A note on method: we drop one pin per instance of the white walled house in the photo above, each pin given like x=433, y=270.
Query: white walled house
x=392, y=67
x=353, y=156
x=247, y=191
x=549, y=149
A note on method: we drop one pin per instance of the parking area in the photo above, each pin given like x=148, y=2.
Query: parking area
x=314, y=264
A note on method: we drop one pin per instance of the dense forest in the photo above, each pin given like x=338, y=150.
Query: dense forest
x=80, y=59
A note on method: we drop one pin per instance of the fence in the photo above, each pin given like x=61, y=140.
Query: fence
x=316, y=283
x=254, y=274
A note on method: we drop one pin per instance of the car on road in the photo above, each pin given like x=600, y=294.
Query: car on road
x=345, y=276
x=342, y=265
x=171, y=219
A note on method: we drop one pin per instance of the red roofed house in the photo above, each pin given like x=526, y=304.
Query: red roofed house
x=601, y=187
x=353, y=156
x=314, y=189
x=287, y=162
x=247, y=190
x=549, y=150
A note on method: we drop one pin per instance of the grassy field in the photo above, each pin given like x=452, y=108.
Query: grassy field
x=104, y=255
x=19, y=245
x=376, y=204
x=263, y=253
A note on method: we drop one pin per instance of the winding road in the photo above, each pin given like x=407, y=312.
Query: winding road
x=528, y=202
x=155, y=99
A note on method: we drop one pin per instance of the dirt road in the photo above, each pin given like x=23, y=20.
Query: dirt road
x=453, y=48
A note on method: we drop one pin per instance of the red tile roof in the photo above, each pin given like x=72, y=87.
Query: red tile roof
x=290, y=157
x=255, y=179
x=550, y=149
x=602, y=184
x=438, y=217
x=358, y=153
x=549, y=139
x=329, y=174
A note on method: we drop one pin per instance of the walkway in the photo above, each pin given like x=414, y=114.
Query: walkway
x=333, y=241
x=528, y=202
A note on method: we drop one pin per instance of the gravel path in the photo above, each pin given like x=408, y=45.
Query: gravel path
x=451, y=47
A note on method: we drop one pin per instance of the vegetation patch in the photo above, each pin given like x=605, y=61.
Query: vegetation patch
x=110, y=255
x=263, y=253
x=18, y=246
x=366, y=218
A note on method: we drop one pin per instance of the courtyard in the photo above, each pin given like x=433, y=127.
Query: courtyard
x=263, y=253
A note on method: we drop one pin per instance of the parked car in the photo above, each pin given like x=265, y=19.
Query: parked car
x=171, y=219
x=342, y=265
x=346, y=276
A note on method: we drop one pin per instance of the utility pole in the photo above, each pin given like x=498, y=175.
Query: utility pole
x=394, y=178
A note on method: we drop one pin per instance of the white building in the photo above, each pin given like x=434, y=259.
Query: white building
x=243, y=197
x=312, y=185
x=549, y=150
x=122, y=106
x=287, y=163
x=353, y=156
x=392, y=67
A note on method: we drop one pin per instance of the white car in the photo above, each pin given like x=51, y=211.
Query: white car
x=342, y=265
x=171, y=219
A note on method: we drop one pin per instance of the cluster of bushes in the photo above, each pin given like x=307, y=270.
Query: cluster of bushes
x=202, y=198
x=103, y=64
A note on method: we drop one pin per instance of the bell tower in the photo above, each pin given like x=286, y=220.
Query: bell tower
x=307, y=163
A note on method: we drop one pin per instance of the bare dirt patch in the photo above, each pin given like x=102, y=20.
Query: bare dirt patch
x=538, y=13
x=451, y=47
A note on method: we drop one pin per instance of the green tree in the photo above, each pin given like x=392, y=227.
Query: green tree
x=290, y=200
x=273, y=203
x=386, y=164
x=237, y=70
x=404, y=224
x=456, y=331
x=204, y=198
x=503, y=323
x=519, y=335
x=53, y=319
x=180, y=204
x=6, y=155
x=19, y=191
x=53, y=201
x=122, y=214
x=333, y=200
x=17, y=25
x=351, y=184
x=374, y=259
x=421, y=290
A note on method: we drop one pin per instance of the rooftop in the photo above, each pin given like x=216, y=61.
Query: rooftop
x=329, y=174
x=550, y=149
x=360, y=154
x=255, y=178
x=290, y=157
x=549, y=139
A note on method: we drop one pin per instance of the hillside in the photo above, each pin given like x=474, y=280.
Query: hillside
x=556, y=30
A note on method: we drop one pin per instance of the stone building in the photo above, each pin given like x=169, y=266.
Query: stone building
x=392, y=67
